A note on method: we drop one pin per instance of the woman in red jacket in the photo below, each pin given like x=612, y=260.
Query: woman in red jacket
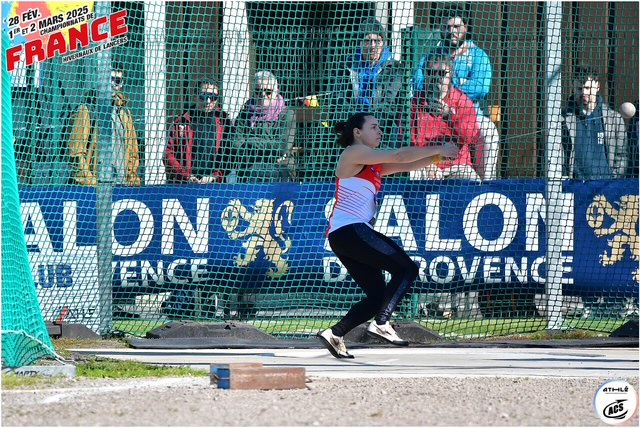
x=199, y=149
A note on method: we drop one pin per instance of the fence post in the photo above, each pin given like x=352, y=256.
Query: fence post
x=553, y=187
x=104, y=188
x=155, y=94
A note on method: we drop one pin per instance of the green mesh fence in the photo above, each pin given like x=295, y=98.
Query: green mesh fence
x=24, y=335
x=184, y=168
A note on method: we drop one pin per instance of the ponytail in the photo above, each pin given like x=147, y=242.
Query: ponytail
x=344, y=130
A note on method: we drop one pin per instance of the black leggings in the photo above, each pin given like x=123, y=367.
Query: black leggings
x=366, y=253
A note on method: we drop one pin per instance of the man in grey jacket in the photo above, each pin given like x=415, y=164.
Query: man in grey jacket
x=594, y=140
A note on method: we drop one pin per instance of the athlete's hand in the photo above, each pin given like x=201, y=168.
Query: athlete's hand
x=448, y=150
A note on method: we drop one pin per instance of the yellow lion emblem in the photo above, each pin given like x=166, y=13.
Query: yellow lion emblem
x=624, y=228
x=259, y=231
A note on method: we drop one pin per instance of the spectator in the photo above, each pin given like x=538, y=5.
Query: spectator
x=472, y=74
x=265, y=132
x=440, y=113
x=83, y=141
x=370, y=81
x=471, y=65
x=199, y=150
x=594, y=137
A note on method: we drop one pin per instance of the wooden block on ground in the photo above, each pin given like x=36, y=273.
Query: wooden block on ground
x=234, y=377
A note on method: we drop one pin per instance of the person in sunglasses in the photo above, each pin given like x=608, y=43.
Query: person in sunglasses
x=83, y=138
x=441, y=112
x=265, y=132
x=199, y=149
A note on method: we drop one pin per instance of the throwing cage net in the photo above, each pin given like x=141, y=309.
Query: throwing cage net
x=183, y=165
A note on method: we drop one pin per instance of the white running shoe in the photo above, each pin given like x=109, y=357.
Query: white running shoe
x=335, y=344
x=386, y=333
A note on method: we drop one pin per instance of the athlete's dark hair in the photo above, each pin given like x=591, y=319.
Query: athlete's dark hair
x=344, y=130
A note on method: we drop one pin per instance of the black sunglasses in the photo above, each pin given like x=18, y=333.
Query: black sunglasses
x=206, y=96
x=267, y=92
x=437, y=73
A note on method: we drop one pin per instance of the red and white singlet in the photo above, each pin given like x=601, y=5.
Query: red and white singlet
x=356, y=198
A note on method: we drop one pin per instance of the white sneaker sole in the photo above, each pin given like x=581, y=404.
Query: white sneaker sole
x=377, y=335
x=331, y=348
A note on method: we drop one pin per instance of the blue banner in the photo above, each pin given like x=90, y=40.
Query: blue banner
x=462, y=234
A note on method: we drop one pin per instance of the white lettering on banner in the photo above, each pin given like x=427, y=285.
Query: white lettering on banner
x=422, y=267
x=199, y=269
x=512, y=269
x=536, y=276
x=70, y=227
x=330, y=275
x=536, y=210
x=173, y=213
x=444, y=269
x=509, y=228
x=145, y=227
x=394, y=204
x=435, y=265
x=432, y=228
x=171, y=272
x=567, y=269
x=38, y=241
x=135, y=273
x=492, y=267
x=126, y=270
x=75, y=264
x=147, y=272
x=468, y=274
x=334, y=270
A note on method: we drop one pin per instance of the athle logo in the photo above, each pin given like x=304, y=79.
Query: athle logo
x=263, y=227
x=620, y=224
x=616, y=402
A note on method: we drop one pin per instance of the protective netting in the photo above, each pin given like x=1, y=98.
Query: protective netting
x=24, y=338
x=184, y=168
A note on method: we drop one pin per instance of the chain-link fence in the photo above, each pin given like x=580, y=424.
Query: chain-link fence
x=185, y=169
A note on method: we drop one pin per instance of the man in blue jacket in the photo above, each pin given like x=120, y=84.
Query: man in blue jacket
x=471, y=65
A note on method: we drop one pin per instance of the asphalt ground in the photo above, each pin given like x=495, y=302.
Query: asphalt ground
x=550, y=383
x=412, y=362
